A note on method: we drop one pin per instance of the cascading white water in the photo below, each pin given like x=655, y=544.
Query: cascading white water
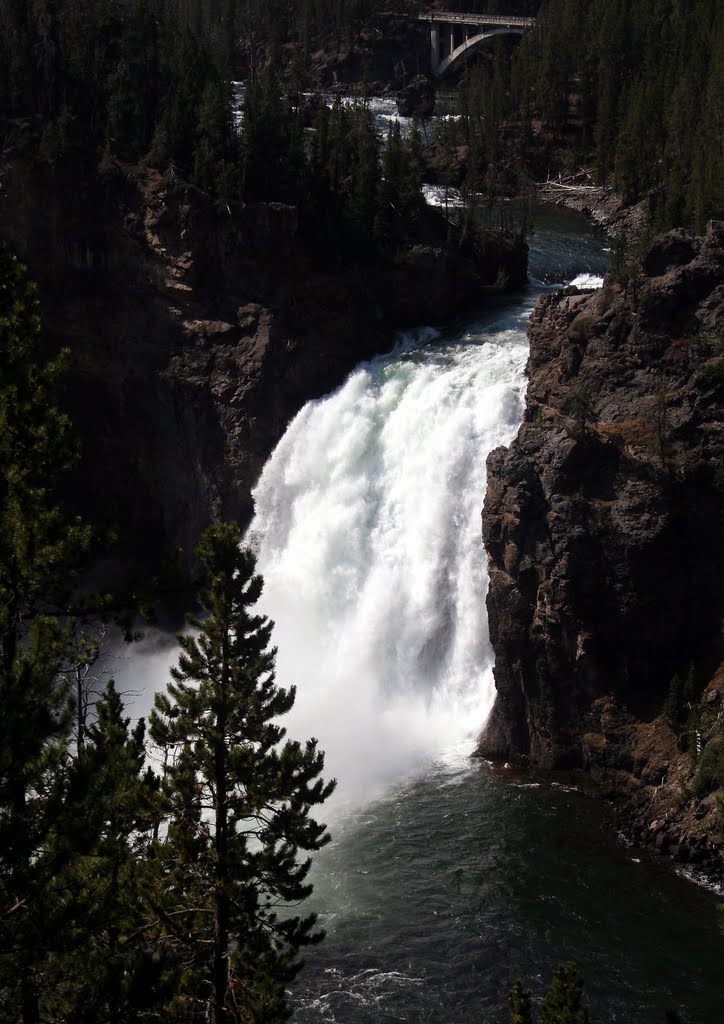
x=367, y=531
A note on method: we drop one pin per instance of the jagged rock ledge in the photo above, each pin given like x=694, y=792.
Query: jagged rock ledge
x=604, y=530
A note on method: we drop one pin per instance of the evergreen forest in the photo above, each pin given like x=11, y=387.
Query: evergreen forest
x=633, y=90
x=639, y=88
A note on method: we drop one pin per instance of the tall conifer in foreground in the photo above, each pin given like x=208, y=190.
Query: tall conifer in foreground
x=38, y=544
x=72, y=813
x=238, y=804
x=109, y=821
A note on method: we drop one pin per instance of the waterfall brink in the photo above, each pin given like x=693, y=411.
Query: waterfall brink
x=367, y=531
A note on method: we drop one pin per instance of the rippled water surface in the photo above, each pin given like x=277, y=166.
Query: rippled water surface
x=436, y=895
x=436, y=898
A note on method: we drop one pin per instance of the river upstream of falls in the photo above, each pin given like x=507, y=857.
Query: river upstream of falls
x=445, y=880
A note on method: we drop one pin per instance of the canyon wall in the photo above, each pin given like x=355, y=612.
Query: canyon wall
x=196, y=334
x=604, y=528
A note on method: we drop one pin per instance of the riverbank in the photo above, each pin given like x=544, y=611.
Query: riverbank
x=603, y=205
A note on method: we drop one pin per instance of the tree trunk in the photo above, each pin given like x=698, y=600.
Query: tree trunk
x=29, y=998
x=221, y=900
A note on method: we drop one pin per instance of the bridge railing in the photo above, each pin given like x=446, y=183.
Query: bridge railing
x=449, y=18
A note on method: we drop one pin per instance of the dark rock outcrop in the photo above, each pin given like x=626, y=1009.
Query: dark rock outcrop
x=656, y=788
x=417, y=99
x=604, y=520
x=196, y=335
x=676, y=248
x=388, y=54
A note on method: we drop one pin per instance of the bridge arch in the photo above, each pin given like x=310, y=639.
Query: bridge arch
x=470, y=46
x=445, y=27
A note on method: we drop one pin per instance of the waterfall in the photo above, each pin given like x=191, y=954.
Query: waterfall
x=367, y=531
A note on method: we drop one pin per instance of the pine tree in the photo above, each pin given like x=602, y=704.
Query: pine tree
x=265, y=141
x=365, y=172
x=389, y=188
x=238, y=804
x=519, y=1004
x=215, y=167
x=563, y=1003
x=102, y=842
x=132, y=85
x=38, y=545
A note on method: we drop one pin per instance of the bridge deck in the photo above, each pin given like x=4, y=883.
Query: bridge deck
x=448, y=18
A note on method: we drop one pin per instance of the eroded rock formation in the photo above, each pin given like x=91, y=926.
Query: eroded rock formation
x=603, y=521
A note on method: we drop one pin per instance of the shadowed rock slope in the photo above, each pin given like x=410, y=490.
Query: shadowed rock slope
x=196, y=334
x=604, y=529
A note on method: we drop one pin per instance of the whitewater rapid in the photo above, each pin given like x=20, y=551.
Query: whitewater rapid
x=368, y=535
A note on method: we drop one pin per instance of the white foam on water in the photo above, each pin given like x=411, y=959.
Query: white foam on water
x=587, y=281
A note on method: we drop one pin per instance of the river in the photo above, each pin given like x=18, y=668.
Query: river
x=445, y=880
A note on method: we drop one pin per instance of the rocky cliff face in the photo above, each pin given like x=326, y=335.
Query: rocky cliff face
x=197, y=335
x=604, y=525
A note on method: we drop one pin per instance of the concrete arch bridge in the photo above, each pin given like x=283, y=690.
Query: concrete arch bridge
x=454, y=37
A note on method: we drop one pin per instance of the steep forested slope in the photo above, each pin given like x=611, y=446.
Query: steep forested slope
x=637, y=87
x=106, y=102
x=646, y=80
x=631, y=90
